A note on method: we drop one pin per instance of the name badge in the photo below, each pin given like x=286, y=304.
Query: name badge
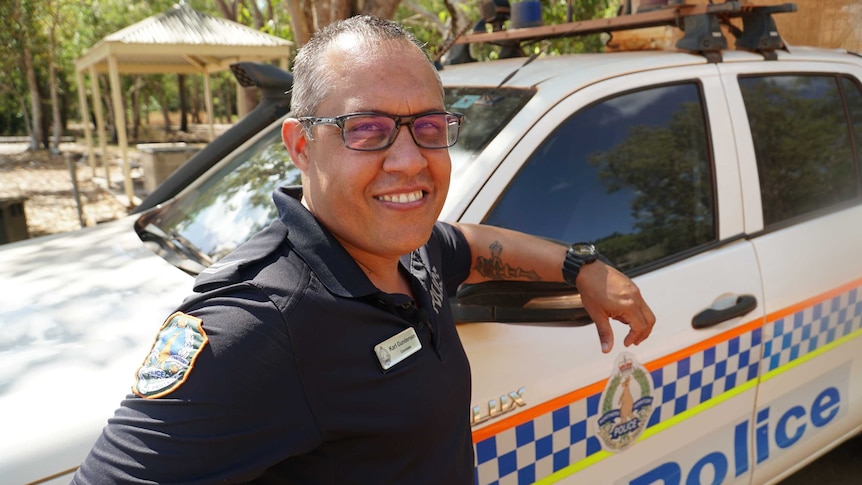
x=395, y=349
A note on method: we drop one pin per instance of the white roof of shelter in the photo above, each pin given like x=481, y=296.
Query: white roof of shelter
x=183, y=40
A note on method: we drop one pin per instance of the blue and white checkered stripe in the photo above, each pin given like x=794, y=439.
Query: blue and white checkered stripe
x=540, y=447
x=698, y=378
x=554, y=441
x=795, y=335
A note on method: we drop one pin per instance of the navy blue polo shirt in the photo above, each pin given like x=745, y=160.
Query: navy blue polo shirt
x=289, y=386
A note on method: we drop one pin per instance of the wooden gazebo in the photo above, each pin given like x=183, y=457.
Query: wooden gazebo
x=182, y=41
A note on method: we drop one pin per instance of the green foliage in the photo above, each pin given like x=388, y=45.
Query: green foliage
x=641, y=378
x=653, y=161
x=558, y=12
x=77, y=25
x=434, y=31
x=804, y=151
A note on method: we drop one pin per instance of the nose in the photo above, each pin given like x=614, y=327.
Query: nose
x=404, y=155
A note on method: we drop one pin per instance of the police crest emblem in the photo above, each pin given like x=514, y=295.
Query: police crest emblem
x=172, y=356
x=626, y=404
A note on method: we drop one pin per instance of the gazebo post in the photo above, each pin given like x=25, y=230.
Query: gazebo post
x=208, y=97
x=120, y=122
x=85, y=119
x=100, y=122
x=241, y=105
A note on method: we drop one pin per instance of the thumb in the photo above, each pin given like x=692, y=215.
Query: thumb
x=606, y=333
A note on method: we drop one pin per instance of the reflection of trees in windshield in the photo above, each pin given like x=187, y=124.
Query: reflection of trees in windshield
x=801, y=139
x=666, y=169
x=238, y=203
x=486, y=111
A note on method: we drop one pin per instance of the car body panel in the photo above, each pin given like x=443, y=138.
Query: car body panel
x=814, y=318
x=580, y=371
x=562, y=369
x=77, y=321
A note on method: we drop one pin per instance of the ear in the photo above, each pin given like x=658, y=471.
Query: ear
x=296, y=142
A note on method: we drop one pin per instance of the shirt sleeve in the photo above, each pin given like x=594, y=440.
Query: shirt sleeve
x=455, y=255
x=240, y=410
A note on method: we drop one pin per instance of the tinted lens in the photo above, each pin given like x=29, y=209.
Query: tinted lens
x=435, y=130
x=368, y=132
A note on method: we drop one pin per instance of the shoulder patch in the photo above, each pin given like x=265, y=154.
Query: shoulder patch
x=172, y=356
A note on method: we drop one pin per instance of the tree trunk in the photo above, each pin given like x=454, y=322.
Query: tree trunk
x=308, y=16
x=166, y=116
x=228, y=11
x=301, y=21
x=227, y=101
x=196, y=103
x=55, y=109
x=184, y=109
x=52, y=82
x=27, y=126
x=110, y=116
x=459, y=26
x=136, y=106
x=36, y=134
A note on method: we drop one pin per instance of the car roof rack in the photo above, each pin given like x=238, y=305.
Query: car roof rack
x=701, y=24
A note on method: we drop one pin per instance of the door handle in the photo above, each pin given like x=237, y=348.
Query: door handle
x=712, y=316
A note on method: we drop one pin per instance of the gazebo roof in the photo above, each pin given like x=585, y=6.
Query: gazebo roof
x=183, y=40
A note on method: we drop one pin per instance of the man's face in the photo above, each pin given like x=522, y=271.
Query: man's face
x=378, y=204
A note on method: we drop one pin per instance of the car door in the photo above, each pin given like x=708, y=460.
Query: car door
x=645, y=166
x=799, y=125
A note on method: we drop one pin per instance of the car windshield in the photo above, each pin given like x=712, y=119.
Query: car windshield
x=233, y=201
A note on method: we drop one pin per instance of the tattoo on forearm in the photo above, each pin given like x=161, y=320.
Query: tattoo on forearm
x=494, y=268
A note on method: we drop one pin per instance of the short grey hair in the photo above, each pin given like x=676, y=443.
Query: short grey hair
x=312, y=77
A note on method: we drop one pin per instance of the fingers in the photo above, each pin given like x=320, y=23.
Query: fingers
x=640, y=320
x=606, y=334
x=611, y=294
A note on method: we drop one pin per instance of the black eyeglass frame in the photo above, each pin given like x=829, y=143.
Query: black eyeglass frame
x=399, y=121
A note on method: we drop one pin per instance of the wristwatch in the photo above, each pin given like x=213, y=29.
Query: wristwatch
x=579, y=254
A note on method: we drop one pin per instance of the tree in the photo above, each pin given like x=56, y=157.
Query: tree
x=55, y=18
x=309, y=16
x=21, y=25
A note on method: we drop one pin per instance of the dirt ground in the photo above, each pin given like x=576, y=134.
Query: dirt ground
x=45, y=180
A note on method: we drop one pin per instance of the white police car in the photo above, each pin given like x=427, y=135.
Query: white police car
x=731, y=191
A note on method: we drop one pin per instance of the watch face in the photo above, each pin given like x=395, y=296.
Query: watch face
x=584, y=249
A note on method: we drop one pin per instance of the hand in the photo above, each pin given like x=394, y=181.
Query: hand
x=606, y=293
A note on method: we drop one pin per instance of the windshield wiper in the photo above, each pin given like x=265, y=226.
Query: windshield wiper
x=177, y=250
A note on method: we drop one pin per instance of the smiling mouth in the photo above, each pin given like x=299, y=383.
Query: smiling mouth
x=403, y=198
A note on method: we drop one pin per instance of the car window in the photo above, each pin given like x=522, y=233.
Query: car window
x=486, y=111
x=802, y=142
x=227, y=207
x=631, y=173
x=853, y=98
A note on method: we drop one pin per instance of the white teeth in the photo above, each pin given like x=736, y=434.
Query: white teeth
x=402, y=198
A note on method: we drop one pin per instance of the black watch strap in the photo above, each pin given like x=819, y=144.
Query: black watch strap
x=579, y=254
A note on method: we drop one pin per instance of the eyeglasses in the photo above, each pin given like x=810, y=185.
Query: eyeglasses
x=377, y=131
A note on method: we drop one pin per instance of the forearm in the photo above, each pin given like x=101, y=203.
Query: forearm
x=503, y=254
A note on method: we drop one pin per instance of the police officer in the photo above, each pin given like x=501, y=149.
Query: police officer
x=323, y=350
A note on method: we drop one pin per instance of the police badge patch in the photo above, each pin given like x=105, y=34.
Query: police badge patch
x=172, y=357
x=626, y=404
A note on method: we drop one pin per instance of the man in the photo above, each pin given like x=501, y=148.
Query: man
x=323, y=350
